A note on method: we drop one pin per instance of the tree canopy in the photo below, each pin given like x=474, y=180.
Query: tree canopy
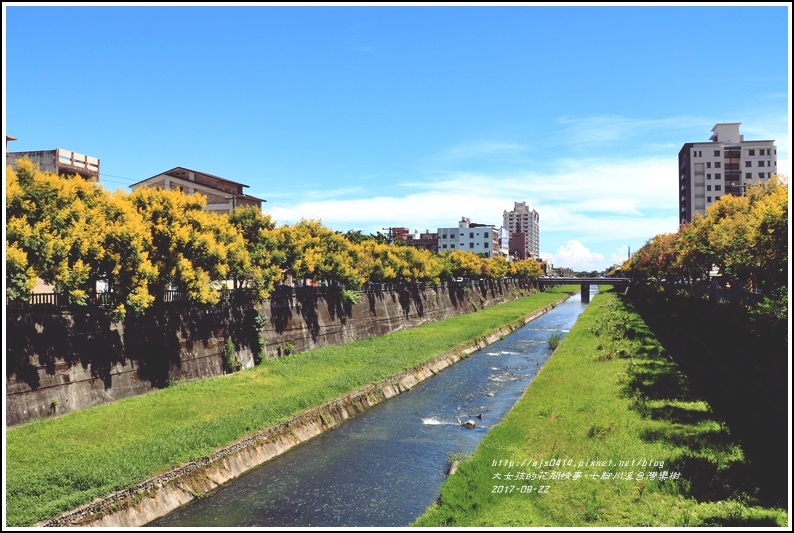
x=71, y=233
x=745, y=237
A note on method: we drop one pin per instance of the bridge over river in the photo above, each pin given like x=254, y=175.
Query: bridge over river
x=585, y=283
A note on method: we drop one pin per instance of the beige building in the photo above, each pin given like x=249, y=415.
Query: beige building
x=726, y=164
x=222, y=195
x=60, y=161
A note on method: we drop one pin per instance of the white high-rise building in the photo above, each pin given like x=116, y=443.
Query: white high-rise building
x=522, y=220
x=726, y=164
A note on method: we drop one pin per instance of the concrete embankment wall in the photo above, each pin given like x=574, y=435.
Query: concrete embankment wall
x=58, y=362
x=160, y=495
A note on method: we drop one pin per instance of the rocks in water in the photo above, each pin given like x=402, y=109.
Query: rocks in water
x=469, y=424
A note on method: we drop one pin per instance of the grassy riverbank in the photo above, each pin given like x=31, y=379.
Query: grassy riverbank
x=608, y=404
x=57, y=464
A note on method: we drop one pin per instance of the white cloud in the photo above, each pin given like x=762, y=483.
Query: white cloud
x=575, y=255
x=600, y=203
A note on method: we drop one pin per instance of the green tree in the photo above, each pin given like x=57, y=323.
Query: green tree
x=693, y=258
x=261, y=241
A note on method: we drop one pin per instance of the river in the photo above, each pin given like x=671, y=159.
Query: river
x=385, y=467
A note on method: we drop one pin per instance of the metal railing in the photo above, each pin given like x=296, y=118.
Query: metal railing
x=111, y=299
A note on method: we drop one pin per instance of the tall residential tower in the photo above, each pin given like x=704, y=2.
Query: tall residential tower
x=522, y=220
x=726, y=164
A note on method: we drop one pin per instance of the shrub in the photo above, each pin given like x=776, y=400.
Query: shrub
x=350, y=297
x=230, y=360
x=554, y=340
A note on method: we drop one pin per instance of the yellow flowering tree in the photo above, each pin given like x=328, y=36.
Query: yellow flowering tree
x=462, y=264
x=71, y=234
x=496, y=267
x=189, y=247
x=263, y=269
x=526, y=268
x=316, y=252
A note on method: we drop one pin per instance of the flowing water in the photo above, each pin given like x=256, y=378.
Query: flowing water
x=384, y=467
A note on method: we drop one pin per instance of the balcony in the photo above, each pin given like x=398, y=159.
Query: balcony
x=69, y=162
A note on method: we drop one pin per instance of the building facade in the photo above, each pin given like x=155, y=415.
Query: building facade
x=522, y=220
x=470, y=237
x=222, y=195
x=726, y=164
x=424, y=241
x=60, y=161
x=518, y=246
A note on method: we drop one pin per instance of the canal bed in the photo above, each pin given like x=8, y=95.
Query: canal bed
x=384, y=467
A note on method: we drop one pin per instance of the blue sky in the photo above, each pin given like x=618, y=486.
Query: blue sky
x=372, y=116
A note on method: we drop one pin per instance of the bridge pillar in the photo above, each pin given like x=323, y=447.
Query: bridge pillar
x=585, y=293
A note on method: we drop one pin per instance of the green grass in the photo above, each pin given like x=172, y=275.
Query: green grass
x=609, y=393
x=55, y=465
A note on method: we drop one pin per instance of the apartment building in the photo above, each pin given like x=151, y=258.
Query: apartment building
x=222, y=195
x=470, y=237
x=726, y=164
x=522, y=220
x=60, y=161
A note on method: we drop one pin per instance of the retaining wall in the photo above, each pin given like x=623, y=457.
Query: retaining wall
x=58, y=362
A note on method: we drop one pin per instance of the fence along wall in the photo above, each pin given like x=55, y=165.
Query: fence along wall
x=63, y=361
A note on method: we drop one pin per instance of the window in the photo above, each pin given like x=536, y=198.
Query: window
x=444, y=246
x=471, y=245
x=748, y=164
x=716, y=153
x=708, y=199
x=708, y=176
x=717, y=164
x=471, y=235
x=451, y=245
x=708, y=164
x=760, y=174
x=718, y=187
x=761, y=164
x=748, y=175
x=751, y=151
x=717, y=176
x=708, y=187
x=486, y=245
